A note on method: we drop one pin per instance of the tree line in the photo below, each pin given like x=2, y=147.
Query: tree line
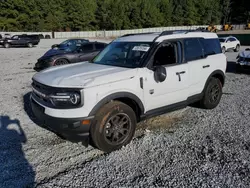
x=80, y=15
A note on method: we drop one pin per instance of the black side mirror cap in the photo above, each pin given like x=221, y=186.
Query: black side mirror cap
x=160, y=73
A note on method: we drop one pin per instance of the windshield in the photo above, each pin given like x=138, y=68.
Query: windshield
x=123, y=54
x=222, y=40
x=71, y=45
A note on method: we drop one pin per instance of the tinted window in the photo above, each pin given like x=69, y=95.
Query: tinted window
x=15, y=37
x=232, y=39
x=211, y=46
x=99, y=46
x=166, y=55
x=87, y=47
x=193, y=49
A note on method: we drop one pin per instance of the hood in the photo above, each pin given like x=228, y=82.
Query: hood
x=82, y=75
x=245, y=54
x=53, y=52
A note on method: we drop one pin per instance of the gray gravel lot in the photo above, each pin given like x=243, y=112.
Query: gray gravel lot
x=188, y=148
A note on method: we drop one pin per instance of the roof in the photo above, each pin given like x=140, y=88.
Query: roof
x=158, y=37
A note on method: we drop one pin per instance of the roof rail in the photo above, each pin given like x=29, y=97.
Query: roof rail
x=167, y=32
x=132, y=34
x=182, y=31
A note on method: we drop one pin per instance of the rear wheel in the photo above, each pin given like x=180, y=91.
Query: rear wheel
x=237, y=48
x=30, y=45
x=212, y=94
x=61, y=62
x=113, y=127
x=6, y=45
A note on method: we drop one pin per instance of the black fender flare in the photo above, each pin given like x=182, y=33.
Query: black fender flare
x=114, y=96
x=216, y=72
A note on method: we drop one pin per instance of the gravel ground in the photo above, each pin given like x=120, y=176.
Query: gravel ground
x=188, y=148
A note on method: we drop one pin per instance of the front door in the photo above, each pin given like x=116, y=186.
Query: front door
x=175, y=87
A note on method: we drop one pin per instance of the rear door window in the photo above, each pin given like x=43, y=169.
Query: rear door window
x=87, y=48
x=193, y=49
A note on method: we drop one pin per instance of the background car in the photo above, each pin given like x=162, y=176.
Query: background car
x=20, y=40
x=228, y=43
x=79, y=53
x=243, y=60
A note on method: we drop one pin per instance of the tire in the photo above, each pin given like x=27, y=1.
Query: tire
x=212, y=94
x=237, y=48
x=113, y=127
x=61, y=62
x=223, y=49
x=30, y=45
x=6, y=45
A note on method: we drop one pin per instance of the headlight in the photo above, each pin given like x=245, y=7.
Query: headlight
x=69, y=99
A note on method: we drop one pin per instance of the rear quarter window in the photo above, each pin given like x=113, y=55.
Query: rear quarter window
x=211, y=46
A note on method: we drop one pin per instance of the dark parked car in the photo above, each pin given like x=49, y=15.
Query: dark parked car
x=20, y=40
x=73, y=54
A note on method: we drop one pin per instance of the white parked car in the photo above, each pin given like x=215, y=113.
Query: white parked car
x=135, y=77
x=229, y=43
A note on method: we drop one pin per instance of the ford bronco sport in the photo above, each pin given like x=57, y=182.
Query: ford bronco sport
x=135, y=77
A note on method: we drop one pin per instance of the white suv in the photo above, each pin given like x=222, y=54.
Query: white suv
x=229, y=43
x=135, y=77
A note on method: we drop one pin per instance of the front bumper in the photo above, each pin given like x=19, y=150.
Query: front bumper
x=241, y=66
x=40, y=65
x=69, y=129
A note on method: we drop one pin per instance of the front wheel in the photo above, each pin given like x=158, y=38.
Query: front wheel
x=6, y=45
x=237, y=48
x=61, y=62
x=212, y=94
x=30, y=45
x=113, y=127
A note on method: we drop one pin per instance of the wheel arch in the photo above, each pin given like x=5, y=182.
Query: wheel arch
x=216, y=74
x=127, y=98
x=58, y=58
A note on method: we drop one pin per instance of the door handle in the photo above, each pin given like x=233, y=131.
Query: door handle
x=179, y=74
x=183, y=72
x=206, y=66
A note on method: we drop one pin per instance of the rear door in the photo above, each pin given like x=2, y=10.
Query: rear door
x=198, y=63
x=233, y=42
x=86, y=52
x=230, y=43
x=23, y=40
x=203, y=56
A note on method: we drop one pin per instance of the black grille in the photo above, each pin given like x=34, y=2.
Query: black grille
x=44, y=91
x=244, y=59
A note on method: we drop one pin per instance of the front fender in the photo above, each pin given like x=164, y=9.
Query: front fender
x=114, y=96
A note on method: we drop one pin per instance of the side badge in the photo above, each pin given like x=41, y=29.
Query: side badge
x=151, y=92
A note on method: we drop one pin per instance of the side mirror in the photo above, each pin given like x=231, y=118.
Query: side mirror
x=228, y=41
x=160, y=74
